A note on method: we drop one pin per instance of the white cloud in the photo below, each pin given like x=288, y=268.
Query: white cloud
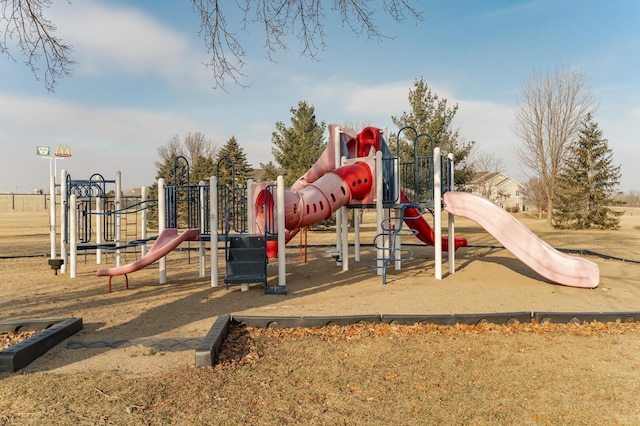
x=112, y=39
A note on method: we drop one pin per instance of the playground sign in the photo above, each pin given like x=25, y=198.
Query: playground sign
x=63, y=151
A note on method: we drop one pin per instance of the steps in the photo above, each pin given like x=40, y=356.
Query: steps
x=246, y=259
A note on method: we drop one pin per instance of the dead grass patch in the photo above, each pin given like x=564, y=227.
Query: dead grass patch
x=363, y=374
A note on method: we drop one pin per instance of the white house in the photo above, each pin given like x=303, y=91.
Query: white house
x=499, y=188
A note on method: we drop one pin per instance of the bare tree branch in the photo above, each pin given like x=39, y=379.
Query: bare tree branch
x=219, y=40
x=26, y=27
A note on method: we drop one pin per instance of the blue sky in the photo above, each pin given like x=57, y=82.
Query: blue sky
x=139, y=79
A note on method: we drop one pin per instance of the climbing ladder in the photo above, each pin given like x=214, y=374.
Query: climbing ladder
x=390, y=233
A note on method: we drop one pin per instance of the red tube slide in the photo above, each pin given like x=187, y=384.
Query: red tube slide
x=318, y=200
x=424, y=232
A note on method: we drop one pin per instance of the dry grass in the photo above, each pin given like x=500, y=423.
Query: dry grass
x=538, y=374
x=363, y=375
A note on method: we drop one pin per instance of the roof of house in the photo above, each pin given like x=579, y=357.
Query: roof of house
x=496, y=179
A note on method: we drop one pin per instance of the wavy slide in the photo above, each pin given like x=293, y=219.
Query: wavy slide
x=523, y=243
x=167, y=241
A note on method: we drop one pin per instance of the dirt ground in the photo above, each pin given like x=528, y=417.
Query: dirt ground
x=486, y=280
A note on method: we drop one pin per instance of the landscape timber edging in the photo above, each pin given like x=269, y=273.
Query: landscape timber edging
x=24, y=353
x=208, y=350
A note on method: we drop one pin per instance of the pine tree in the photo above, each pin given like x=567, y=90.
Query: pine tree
x=430, y=115
x=587, y=183
x=270, y=171
x=297, y=148
x=242, y=170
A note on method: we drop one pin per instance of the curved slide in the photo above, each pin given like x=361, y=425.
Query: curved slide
x=425, y=232
x=167, y=241
x=523, y=243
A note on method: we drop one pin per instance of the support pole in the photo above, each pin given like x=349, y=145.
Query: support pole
x=64, y=219
x=202, y=260
x=162, y=220
x=379, y=211
x=143, y=235
x=213, y=228
x=282, y=267
x=344, y=233
x=397, y=241
x=337, y=158
x=437, y=211
x=356, y=234
x=73, y=237
x=251, y=226
x=52, y=215
x=99, y=218
x=118, y=207
x=451, y=219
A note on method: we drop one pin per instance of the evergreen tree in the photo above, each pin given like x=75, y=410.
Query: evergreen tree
x=242, y=170
x=430, y=115
x=587, y=183
x=270, y=171
x=297, y=148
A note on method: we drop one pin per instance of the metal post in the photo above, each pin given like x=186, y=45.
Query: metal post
x=282, y=267
x=143, y=235
x=201, y=249
x=451, y=219
x=99, y=218
x=356, y=234
x=73, y=237
x=162, y=220
x=336, y=163
x=250, y=207
x=213, y=228
x=379, y=210
x=344, y=232
x=118, y=207
x=437, y=211
x=63, y=220
x=52, y=215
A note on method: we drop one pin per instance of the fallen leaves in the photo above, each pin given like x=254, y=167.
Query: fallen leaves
x=369, y=330
x=240, y=348
x=15, y=337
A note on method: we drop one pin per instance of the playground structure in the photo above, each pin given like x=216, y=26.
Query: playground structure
x=96, y=216
x=254, y=222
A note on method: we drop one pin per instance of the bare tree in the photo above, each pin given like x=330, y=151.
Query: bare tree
x=25, y=23
x=548, y=117
x=485, y=169
x=198, y=145
x=535, y=195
